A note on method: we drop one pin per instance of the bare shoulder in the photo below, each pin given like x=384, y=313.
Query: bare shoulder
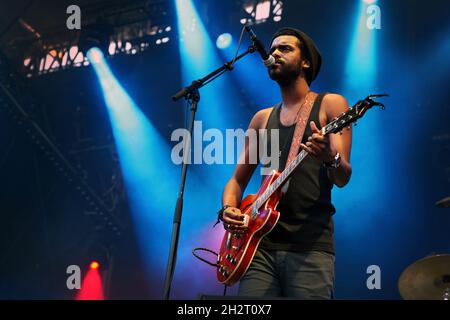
x=334, y=104
x=334, y=99
x=260, y=118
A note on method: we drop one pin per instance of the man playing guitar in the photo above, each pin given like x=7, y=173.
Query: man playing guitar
x=296, y=259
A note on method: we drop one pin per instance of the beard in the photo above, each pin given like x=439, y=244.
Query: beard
x=285, y=74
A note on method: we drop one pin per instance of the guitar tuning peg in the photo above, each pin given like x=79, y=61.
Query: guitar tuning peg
x=356, y=123
x=340, y=132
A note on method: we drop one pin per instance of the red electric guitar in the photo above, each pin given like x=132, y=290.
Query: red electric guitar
x=237, y=250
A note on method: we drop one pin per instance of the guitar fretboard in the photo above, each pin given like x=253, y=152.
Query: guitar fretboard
x=335, y=126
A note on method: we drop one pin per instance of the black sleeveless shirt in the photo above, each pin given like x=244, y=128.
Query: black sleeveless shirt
x=306, y=210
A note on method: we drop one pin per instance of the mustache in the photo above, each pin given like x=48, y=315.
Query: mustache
x=277, y=61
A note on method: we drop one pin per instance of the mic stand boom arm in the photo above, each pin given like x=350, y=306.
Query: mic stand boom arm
x=197, y=84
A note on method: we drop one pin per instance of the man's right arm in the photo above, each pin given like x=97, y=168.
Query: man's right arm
x=234, y=189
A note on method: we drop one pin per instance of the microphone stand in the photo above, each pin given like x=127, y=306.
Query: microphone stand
x=192, y=94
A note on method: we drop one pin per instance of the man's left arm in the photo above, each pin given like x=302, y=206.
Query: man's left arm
x=325, y=148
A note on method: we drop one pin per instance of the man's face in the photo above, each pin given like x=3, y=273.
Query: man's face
x=288, y=66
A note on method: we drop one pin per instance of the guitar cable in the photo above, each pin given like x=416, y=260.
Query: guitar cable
x=216, y=265
x=204, y=260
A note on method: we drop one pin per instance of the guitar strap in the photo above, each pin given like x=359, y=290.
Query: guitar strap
x=304, y=112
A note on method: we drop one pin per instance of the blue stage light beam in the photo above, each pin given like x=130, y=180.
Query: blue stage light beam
x=361, y=65
x=221, y=107
x=355, y=218
x=367, y=152
x=150, y=178
x=221, y=104
x=199, y=57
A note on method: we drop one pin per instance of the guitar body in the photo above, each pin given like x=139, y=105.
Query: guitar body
x=237, y=250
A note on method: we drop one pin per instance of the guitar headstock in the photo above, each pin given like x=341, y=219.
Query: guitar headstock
x=353, y=114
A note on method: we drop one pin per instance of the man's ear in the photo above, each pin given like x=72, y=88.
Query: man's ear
x=306, y=64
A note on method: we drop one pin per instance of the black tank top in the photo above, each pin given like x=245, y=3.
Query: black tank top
x=306, y=210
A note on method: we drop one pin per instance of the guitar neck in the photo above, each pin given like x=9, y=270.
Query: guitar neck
x=335, y=126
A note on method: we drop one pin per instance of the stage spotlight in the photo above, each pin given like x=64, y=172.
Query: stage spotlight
x=262, y=10
x=98, y=255
x=92, y=287
x=95, y=55
x=94, y=265
x=370, y=1
x=112, y=48
x=224, y=41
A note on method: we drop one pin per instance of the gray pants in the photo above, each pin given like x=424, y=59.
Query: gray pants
x=299, y=275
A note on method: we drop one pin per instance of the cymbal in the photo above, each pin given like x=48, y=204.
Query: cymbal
x=443, y=203
x=426, y=279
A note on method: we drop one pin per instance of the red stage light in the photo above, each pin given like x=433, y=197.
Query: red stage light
x=92, y=286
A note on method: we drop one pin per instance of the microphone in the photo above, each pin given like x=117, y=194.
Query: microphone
x=268, y=59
